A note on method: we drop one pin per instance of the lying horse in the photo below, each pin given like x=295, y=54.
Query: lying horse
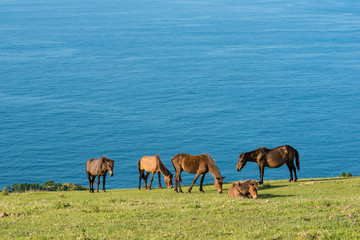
x=245, y=189
x=199, y=164
x=153, y=164
x=98, y=167
x=272, y=158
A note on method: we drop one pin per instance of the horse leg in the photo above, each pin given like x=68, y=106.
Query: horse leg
x=104, y=182
x=89, y=177
x=178, y=180
x=141, y=173
x=261, y=168
x=98, y=183
x=290, y=170
x=159, y=180
x=92, y=183
x=146, y=178
x=294, y=169
x=152, y=177
x=201, y=182
x=193, y=182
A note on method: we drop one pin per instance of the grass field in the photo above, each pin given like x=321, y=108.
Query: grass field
x=309, y=209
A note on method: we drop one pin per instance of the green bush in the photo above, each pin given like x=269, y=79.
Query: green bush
x=48, y=186
x=343, y=174
x=349, y=175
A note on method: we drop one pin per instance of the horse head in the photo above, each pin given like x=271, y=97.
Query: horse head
x=109, y=165
x=168, y=180
x=218, y=183
x=253, y=187
x=241, y=162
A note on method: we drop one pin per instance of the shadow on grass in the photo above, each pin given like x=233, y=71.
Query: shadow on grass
x=268, y=186
x=265, y=196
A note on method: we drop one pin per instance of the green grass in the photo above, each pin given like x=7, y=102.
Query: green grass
x=308, y=209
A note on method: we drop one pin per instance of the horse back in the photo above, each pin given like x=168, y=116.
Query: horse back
x=93, y=166
x=190, y=163
x=149, y=164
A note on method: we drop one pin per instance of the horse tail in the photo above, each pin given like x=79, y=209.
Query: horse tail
x=296, y=157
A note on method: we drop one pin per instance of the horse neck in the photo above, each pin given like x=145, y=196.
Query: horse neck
x=213, y=169
x=163, y=169
x=251, y=158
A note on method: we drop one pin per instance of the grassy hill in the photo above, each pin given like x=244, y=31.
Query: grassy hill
x=309, y=209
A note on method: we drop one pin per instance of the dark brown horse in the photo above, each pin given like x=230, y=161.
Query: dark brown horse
x=199, y=164
x=272, y=158
x=153, y=164
x=98, y=167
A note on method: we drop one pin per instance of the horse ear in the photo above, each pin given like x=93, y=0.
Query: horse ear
x=223, y=177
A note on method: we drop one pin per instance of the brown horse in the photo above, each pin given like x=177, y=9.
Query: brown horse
x=153, y=164
x=99, y=167
x=199, y=164
x=272, y=158
x=245, y=189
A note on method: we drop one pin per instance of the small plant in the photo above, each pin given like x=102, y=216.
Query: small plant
x=5, y=192
x=349, y=175
x=343, y=174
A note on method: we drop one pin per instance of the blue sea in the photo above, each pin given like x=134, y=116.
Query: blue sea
x=81, y=79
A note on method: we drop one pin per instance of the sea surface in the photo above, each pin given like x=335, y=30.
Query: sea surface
x=81, y=79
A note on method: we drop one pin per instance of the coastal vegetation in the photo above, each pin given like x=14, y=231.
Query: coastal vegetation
x=326, y=208
x=48, y=186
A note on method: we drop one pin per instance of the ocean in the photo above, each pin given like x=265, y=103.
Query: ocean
x=81, y=79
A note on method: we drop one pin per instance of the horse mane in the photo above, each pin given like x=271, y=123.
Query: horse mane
x=212, y=165
x=101, y=160
x=162, y=167
x=256, y=151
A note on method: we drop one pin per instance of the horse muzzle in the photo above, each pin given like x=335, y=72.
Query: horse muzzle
x=219, y=192
x=111, y=174
x=239, y=168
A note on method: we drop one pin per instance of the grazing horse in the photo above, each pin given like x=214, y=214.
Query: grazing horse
x=153, y=164
x=98, y=167
x=199, y=164
x=245, y=189
x=272, y=158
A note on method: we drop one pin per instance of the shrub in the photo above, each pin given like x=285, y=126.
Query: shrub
x=349, y=175
x=343, y=174
x=48, y=186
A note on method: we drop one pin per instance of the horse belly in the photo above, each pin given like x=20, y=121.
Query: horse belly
x=190, y=166
x=274, y=161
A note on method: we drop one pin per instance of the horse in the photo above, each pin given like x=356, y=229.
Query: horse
x=199, y=164
x=272, y=158
x=153, y=164
x=245, y=189
x=98, y=167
